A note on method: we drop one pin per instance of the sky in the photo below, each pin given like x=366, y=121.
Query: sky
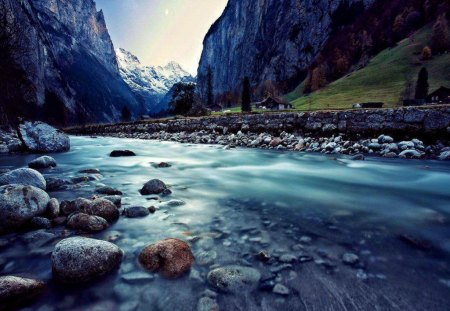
x=160, y=31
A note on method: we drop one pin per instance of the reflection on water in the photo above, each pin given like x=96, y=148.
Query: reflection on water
x=248, y=200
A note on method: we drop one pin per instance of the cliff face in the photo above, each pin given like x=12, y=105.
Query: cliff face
x=70, y=54
x=270, y=41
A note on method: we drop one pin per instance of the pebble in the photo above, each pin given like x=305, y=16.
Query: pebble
x=350, y=259
x=281, y=290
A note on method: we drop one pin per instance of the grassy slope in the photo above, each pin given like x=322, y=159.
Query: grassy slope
x=383, y=79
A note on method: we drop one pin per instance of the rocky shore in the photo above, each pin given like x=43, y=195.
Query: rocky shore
x=421, y=133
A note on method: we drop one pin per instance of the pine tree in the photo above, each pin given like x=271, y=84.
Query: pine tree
x=210, y=91
x=126, y=114
x=246, y=100
x=422, y=84
x=440, y=39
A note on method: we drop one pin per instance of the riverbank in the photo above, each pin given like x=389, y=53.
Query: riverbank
x=421, y=133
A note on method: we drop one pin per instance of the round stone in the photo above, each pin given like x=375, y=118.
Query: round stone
x=24, y=176
x=154, y=186
x=234, y=279
x=79, y=259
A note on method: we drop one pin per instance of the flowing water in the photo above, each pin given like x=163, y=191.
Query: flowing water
x=394, y=214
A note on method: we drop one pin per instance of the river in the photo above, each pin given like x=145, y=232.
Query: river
x=393, y=214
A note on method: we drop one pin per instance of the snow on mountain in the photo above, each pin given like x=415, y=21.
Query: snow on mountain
x=150, y=82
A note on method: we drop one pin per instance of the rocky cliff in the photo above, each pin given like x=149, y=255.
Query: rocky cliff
x=272, y=42
x=70, y=58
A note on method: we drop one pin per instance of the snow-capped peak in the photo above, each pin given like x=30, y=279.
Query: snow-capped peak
x=154, y=80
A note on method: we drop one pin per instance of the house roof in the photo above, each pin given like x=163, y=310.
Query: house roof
x=439, y=90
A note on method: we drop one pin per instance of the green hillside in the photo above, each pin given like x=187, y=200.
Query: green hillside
x=382, y=80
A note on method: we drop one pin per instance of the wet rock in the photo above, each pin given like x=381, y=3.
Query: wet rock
x=38, y=238
x=107, y=190
x=234, y=279
x=152, y=209
x=41, y=137
x=171, y=203
x=136, y=211
x=263, y=256
x=53, y=208
x=358, y=157
x=305, y=239
x=19, y=204
x=207, y=304
x=15, y=291
x=205, y=258
x=87, y=223
x=410, y=153
x=90, y=171
x=171, y=257
x=103, y=208
x=275, y=142
x=384, y=139
x=390, y=155
x=445, y=155
x=79, y=179
x=24, y=176
x=122, y=153
x=78, y=205
x=154, y=186
x=287, y=258
x=281, y=290
x=350, y=259
x=78, y=259
x=55, y=184
x=40, y=223
x=163, y=165
x=42, y=162
x=115, y=199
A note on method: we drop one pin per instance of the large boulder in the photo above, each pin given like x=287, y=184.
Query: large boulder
x=234, y=279
x=171, y=257
x=41, y=137
x=78, y=259
x=154, y=186
x=87, y=223
x=16, y=291
x=24, y=176
x=19, y=204
x=42, y=162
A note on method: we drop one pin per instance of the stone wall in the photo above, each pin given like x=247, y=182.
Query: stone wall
x=422, y=122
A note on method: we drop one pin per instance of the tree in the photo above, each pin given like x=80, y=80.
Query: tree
x=246, y=105
x=422, y=84
x=426, y=53
x=440, y=38
x=126, y=114
x=183, y=98
x=210, y=91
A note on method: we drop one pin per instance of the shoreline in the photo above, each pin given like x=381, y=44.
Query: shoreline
x=384, y=146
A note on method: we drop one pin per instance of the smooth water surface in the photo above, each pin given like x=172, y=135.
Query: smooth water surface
x=394, y=214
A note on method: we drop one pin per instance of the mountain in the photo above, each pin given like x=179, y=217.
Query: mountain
x=68, y=60
x=151, y=83
x=270, y=41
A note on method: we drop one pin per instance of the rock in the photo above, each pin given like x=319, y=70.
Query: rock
x=16, y=291
x=207, y=304
x=24, y=176
x=287, y=258
x=103, y=208
x=87, y=223
x=234, y=279
x=163, y=165
x=78, y=259
x=410, y=153
x=171, y=257
x=136, y=211
x=53, y=208
x=90, y=171
x=55, y=184
x=374, y=146
x=115, y=199
x=275, y=142
x=384, y=139
x=107, y=190
x=152, y=209
x=41, y=137
x=350, y=259
x=154, y=186
x=280, y=290
x=171, y=203
x=358, y=157
x=40, y=223
x=445, y=155
x=78, y=205
x=42, y=162
x=390, y=155
x=19, y=204
x=263, y=256
x=79, y=179
x=122, y=153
